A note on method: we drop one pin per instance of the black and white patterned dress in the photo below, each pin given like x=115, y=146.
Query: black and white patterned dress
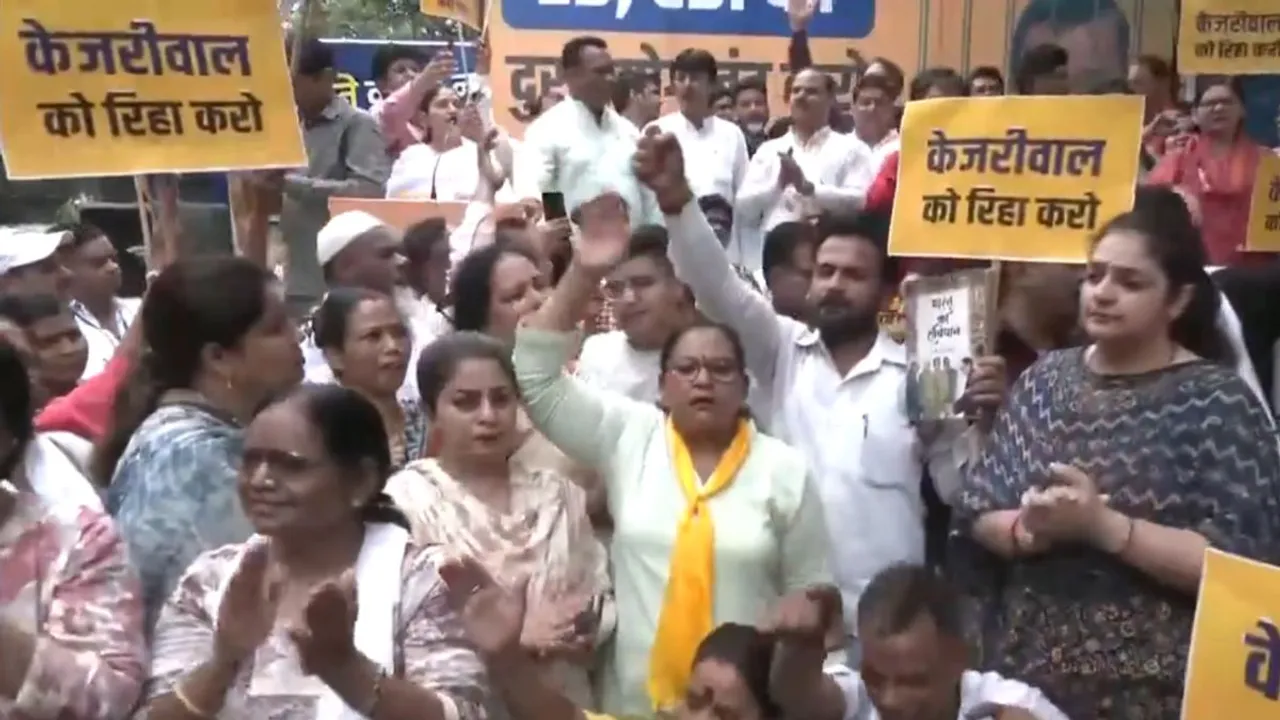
x=1188, y=446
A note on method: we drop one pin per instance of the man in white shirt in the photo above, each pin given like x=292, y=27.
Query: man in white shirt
x=875, y=118
x=649, y=304
x=835, y=389
x=95, y=279
x=811, y=169
x=714, y=149
x=582, y=147
x=915, y=661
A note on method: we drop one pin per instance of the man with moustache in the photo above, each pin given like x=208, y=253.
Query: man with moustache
x=811, y=169
x=833, y=388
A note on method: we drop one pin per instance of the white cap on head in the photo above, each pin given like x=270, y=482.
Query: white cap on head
x=24, y=245
x=342, y=230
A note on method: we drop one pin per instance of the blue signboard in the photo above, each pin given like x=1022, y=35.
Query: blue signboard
x=354, y=65
x=845, y=19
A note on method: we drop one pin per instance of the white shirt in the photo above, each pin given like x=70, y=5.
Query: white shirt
x=608, y=361
x=102, y=343
x=452, y=176
x=888, y=145
x=715, y=155
x=980, y=695
x=853, y=430
x=566, y=150
x=840, y=167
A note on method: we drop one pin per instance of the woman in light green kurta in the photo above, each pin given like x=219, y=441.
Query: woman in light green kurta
x=769, y=538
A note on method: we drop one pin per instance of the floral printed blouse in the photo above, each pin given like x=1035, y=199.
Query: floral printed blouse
x=431, y=649
x=67, y=579
x=546, y=536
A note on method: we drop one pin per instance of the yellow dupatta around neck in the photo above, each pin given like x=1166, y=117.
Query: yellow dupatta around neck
x=687, y=613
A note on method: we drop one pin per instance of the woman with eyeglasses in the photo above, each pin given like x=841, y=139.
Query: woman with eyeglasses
x=1215, y=168
x=330, y=611
x=714, y=521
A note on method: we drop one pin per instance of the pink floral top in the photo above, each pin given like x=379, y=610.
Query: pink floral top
x=431, y=649
x=66, y=578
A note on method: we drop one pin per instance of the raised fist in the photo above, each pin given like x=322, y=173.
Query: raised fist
x=659, y=164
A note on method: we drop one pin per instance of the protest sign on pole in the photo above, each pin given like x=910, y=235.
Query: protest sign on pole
x=1264, y=209
x=1233, y=668
x=463, y=12
x=144, y=86
x=1229, y=37
x=1013, y=178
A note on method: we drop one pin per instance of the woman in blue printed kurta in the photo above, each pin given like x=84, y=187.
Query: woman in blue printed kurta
x=218, y=342
x=1109, y=473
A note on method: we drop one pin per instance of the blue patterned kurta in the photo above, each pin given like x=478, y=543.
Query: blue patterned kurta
x=174, y=495
x=1189, y=446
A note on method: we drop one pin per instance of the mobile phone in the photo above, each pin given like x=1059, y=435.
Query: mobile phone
x=553, y=206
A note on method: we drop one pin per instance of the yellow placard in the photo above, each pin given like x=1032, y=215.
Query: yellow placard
x=144, y=86
x=1229, y=37
x=1233, y=670
x=1264, y=209
x=1013, y=178
x=467, y=12
x=750, y=39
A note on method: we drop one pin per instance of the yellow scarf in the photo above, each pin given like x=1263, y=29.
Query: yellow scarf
x=686, y=615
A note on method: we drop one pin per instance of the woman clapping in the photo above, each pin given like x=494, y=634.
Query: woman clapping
x=272, y=627
x=714, y=520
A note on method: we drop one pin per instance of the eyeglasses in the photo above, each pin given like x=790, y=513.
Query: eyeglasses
x=719, y=370
x=285, y=462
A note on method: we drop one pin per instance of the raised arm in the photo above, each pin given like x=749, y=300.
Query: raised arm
x=584, y=422
x=701, y=263
x=89, y=659
x=397, y=110
x=799, y=14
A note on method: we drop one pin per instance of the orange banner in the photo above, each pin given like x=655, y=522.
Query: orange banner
x=401, y=214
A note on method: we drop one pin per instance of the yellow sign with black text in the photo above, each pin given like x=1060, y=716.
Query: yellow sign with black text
x=1229, y=37
x=1013, y=178
x=144, y=86
x=1264, y=209
x=1233, y=670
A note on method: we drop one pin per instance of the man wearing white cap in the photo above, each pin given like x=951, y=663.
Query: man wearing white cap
x=29, y=264
x=356, y=249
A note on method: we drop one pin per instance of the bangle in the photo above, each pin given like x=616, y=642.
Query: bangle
x=189, y=706
x=1013, y=536
x=1128, y=537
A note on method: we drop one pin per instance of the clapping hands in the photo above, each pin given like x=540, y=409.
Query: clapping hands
x=326, y=639
x=1071, y=509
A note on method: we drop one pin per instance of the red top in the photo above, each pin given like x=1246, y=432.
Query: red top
x=1224, y=186
x=880, y=194
x=86, y=411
